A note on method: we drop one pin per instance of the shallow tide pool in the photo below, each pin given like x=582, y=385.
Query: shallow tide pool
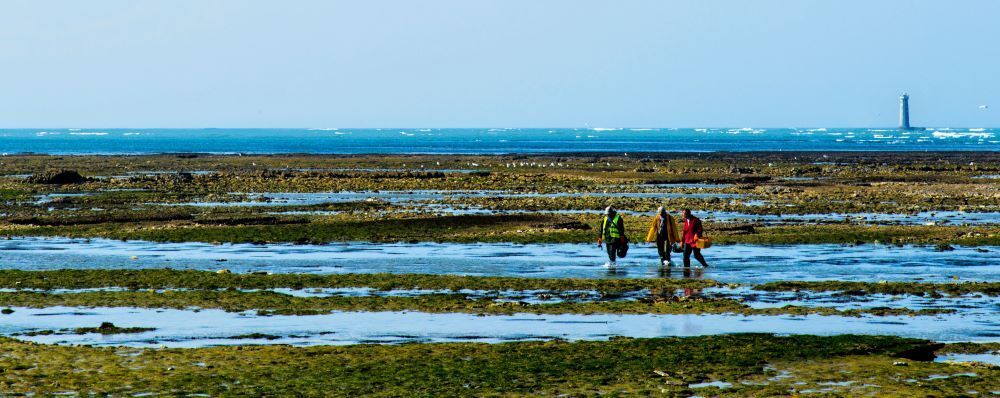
x=729, y=263
x=185, y=328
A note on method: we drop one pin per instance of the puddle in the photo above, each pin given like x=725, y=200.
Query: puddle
x=526, y=296
x=799, y=179
x=837, y=383
x=154, y=173
x=940, y=377
x=966, y=304
x=48, y=198
x=921, y=218
x=747, y=264
x=684, y=185
x=398, y=197
x=989, y=359
x=718, y=384
x=185, y=328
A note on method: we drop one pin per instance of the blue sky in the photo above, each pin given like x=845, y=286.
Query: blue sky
x=499, y=63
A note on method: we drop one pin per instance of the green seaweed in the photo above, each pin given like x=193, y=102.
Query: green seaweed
x=106, y=328
x=520, y=228
x=892, y=288
x=272, y=303
x=620, y=367
x=191, y=279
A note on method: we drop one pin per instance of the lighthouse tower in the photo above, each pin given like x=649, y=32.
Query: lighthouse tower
x=904, y=112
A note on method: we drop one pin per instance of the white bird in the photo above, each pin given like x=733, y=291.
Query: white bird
x=984, y=107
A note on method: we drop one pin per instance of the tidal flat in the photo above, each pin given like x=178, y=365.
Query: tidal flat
x=406, y=275
x=831, y=198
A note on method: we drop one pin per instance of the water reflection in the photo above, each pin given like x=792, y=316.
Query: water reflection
x=182, y=328
x=730, y=263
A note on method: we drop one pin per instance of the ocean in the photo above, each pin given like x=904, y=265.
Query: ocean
x=489, y=140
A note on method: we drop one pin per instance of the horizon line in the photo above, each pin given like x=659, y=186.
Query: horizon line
x=494, y=127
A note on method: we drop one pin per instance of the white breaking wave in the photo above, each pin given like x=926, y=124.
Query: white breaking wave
x=90, y=133
x=948, y=134
x=748, y=130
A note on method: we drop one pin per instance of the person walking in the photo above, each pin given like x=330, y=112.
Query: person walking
x=691, y=233
x=663, y=231
x=612, y=233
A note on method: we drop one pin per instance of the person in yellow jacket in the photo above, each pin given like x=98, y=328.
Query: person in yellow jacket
x=663, y=231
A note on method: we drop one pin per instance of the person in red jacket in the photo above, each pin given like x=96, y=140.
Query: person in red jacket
x=691, y=233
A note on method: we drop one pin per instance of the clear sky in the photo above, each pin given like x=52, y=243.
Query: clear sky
x=498, y=63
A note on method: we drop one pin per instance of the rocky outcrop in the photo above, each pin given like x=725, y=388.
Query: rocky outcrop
x=60, y=177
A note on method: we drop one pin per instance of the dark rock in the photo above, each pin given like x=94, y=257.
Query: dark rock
x=922, y=352
x=943, y=247
x=61, y=177
x=181, y=177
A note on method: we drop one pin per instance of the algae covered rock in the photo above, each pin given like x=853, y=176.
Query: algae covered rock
x=944, y=247
x=60, y=177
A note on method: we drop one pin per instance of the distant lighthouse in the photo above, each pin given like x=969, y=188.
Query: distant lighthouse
x=904, y=112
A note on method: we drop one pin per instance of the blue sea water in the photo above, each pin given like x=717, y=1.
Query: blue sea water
x=489, y=141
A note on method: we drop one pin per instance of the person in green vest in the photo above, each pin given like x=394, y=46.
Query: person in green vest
x=612, y=233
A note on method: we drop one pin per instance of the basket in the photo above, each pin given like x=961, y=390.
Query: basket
x=703, y=243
